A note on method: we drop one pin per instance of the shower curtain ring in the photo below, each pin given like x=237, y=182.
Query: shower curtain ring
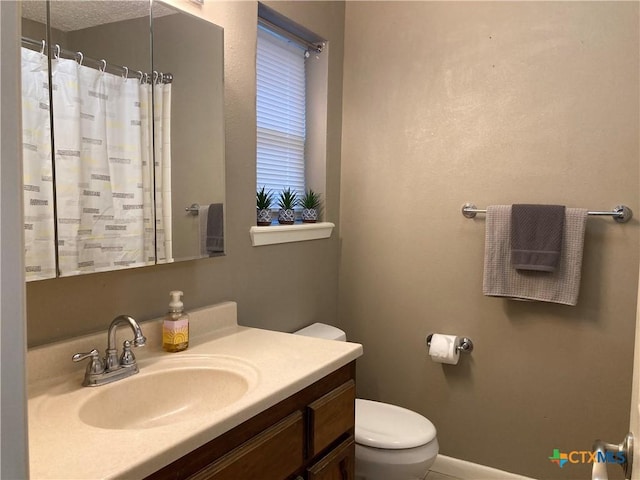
x=103, y=65
x=125, y=75
x=44, y=45
x=56, y=52
x=79, y=58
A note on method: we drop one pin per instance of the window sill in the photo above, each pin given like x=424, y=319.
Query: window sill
x=299, y=232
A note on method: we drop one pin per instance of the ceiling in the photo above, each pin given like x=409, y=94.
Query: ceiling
x=71, y=15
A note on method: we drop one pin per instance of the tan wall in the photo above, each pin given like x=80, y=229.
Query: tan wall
x=490, y=102
x=280, y=287
x=33, y=30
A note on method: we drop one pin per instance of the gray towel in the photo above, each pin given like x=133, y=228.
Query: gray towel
x=502, y=280
x=211, y=229
x=215, y=229
x=536, y=236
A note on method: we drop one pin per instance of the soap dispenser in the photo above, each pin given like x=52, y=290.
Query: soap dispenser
x=175, y=328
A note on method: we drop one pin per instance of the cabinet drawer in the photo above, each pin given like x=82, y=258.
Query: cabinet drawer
x=338, y=464
x=331, y=416
x=272, y=455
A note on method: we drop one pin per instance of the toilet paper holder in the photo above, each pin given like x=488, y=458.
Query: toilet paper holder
x=465, y=345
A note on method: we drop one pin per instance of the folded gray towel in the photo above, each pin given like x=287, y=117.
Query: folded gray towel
x=502, y=280
x=215, y=229
x=536, y=236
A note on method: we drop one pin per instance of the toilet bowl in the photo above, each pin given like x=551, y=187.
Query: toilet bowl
x=392, y=443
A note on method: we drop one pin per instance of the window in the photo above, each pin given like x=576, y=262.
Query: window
x=281, y=112
x=292, y=109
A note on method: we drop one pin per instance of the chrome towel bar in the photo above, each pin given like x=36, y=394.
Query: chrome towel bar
x=194, y=209
x=620, y=213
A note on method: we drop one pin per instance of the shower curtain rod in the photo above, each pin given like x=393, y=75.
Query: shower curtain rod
x=620, y=213
x=102, y=64
x=309, y=46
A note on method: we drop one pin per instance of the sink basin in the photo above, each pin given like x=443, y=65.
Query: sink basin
x=168, y=391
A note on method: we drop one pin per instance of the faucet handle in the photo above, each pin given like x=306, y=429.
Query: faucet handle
x=127, y=358
x=95, y=364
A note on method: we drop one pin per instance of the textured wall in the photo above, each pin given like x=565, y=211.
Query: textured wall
x=281, y=287
x=490, y=102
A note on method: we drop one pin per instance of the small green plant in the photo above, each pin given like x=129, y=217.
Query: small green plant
x=264, y=199
x=287, y=199
x=310, y=200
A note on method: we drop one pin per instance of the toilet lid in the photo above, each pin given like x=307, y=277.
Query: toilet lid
x=382, y=425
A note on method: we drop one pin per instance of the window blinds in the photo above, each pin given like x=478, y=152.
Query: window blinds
x=281, y=117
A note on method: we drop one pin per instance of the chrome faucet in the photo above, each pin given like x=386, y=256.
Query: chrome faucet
x=101, y=372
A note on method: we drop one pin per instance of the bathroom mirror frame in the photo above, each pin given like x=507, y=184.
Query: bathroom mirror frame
x=188, y=56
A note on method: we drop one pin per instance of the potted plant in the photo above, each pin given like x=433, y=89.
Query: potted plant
x=310, y=203
x=263, y=205
x=287, y=201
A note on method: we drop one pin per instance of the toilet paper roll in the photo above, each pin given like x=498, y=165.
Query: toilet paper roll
x=443, y=349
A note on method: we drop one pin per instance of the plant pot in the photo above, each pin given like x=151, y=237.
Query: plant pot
x=286, y=217
x=309, y=215
x=264, y=217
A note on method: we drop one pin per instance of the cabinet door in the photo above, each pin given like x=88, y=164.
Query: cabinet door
x=336, y=465
x=331, y=416
x=274, y=454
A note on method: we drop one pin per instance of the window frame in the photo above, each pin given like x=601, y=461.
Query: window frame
x=281, y=120
x=315, y=151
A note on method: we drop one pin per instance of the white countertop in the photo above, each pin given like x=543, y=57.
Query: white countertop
x=61, y=446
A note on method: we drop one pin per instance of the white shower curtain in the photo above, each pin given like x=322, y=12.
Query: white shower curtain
x=39, y=235
x=100, y=176
x=146, y=116
x=162, y=143
x=105, y=171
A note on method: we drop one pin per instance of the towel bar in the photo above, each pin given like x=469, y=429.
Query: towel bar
x=194, y=209
x=620, y=213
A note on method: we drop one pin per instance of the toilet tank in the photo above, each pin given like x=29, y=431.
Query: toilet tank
x=322, y=330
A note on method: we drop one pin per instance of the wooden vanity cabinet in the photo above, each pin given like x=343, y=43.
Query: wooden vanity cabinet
x=338, y=464
x=308, y=436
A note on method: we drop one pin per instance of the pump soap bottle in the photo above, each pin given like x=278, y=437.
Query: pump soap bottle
x=175, y=328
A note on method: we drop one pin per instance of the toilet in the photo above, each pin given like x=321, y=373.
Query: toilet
x=392, y=443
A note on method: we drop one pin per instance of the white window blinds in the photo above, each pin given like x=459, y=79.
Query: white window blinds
x=281, y=117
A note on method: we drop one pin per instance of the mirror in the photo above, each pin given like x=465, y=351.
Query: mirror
x=191, y=50
x=39, y=221
x=138, y=140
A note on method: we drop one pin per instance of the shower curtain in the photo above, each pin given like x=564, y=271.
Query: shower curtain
x=39, y=235
x=146, y=103
x=99, y=171
x=162, y=145
x=105, y=171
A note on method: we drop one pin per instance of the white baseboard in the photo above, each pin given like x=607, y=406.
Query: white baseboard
x=471, y=471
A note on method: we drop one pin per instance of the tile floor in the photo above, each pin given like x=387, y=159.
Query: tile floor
x=439, y=476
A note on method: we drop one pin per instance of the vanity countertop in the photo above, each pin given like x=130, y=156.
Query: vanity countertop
x=61, y=445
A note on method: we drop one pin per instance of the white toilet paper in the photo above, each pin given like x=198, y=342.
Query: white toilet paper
x=443, y=349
